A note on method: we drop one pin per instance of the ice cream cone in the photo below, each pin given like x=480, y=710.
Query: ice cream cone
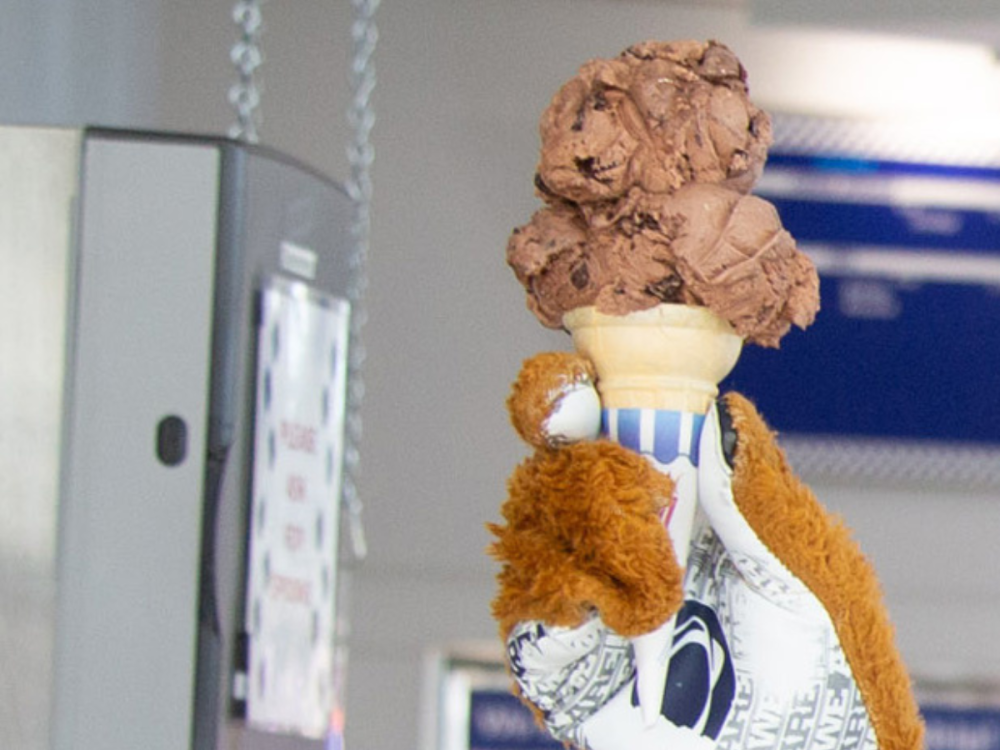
x=667, y=359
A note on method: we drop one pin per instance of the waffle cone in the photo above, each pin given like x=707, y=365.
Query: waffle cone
x=667, y=357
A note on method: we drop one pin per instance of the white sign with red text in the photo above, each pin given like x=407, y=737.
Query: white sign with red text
x=295, y=508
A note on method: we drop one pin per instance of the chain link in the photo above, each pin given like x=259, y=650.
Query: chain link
x=244, y=95
x=360, y=155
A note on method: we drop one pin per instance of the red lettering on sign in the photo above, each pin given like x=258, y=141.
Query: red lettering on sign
x=294, y=590
x=295, y=488
x=294, y=536
x=298, y=437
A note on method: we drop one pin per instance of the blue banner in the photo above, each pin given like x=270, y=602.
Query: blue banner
x=907, y=341
x=499, y=721
x=961, y=728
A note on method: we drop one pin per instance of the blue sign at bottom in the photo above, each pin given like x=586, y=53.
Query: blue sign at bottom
x=962, y=729
x=499, y=721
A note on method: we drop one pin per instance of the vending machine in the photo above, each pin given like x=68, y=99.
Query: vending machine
x=173, y=371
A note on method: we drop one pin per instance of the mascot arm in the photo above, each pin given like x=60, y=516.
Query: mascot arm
x=780, y=606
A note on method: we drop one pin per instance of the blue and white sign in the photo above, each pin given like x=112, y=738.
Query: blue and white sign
x=294, y=509
x=950, y=728
x=906, y=345
x=499, y=721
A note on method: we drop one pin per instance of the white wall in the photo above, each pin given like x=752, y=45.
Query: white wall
x=461, y=86
x=67, y=62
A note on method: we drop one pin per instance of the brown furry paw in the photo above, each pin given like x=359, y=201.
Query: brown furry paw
x=817, y=548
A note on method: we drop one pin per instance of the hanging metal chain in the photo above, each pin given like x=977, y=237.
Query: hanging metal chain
x=244, y=95
x=360, y=154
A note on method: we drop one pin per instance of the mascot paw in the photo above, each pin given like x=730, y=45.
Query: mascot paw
x=583, y=533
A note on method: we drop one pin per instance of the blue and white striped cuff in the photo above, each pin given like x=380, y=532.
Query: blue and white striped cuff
x=664, y=435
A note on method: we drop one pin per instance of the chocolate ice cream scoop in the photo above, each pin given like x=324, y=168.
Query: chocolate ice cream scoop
x=550, y=256
x=646, y=167
x=657, y=117
x=702, y=245
x=735, y=258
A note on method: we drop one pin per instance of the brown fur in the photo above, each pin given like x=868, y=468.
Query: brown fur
x=582, y=531
x=538, y=385
x=818, y=549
